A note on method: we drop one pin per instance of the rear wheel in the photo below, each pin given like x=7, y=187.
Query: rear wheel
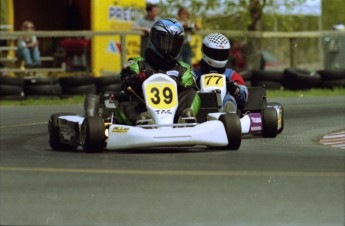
x=54, y=134
x=269, y=122
x=233, y=130
x=93, y=134
x=280, y=115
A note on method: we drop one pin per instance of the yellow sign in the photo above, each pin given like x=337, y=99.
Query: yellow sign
x=213, y=80
x=161, y=95
x=110, y=15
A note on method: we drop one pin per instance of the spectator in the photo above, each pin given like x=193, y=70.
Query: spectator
x=236, y=60
x=145, y=24
x=28, y=47
x=189, y=28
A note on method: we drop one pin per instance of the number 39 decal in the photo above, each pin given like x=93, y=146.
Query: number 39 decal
x=161, y=95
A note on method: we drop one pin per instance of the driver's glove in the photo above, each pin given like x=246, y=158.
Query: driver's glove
x=232, y=88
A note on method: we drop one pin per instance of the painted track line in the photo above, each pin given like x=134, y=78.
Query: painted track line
x=173, y=172
x=336, y=139
x=24, y=124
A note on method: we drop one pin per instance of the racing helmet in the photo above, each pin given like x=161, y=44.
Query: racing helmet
x=215, y=50
x=166, y=38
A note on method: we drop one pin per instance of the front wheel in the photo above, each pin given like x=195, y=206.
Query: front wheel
x=269, y=122
x=93, y=134
x=54, y=134
x=280, y=110
x=233, y=130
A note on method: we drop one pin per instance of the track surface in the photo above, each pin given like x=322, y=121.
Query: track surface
x=289, y=180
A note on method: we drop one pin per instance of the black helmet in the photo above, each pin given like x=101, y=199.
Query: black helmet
x=166, y=38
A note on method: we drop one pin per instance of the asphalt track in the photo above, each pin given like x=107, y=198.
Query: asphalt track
x=288, y=180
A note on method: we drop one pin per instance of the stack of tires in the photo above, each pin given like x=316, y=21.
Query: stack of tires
x=268, y=79
x=247, y=76
x=300, y=79
x=11, y=88
x=109, y=83
x=77, y=85
x=41, y=87
x=332, y=78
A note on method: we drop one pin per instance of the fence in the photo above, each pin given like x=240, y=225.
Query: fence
x=289, y=49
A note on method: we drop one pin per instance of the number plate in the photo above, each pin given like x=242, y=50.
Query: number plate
x=161, y=95
x=213, y=80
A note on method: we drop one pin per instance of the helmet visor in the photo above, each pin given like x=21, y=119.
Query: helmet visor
x=216, y=54
x=169, y=45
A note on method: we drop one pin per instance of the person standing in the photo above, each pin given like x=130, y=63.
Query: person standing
x=145, y=24
x=28, y=46
x=189, y=28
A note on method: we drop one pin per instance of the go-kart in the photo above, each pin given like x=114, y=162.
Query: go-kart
x=256, y=116
x=98, y=129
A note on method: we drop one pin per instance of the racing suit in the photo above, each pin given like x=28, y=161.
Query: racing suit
x=137, y=69
x=233, y=80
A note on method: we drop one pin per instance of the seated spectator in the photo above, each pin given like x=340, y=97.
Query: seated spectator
x=28, y=47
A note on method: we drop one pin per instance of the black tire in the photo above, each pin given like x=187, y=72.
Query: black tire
x=267, y=84
x=299, y=79
x=112, y=88
x=93, y=134
x=79, y=90
x=73, y=81
x=233, y=130
x=11, y=90
x=108, y=80
x=269, y=122
x=44, y=90
x=334, y=74
x=31, y=81
x=54, y=137
x=91, y=105
x=274, y=76
x=246, y=75
x=330, y=84
x=7, y=80
x=281, y=109
x=11, y=97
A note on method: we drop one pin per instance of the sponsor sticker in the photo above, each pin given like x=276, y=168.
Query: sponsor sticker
x=120, y=130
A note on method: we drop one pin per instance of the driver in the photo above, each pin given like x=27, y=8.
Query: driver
x=165, y=44
x=215, y=54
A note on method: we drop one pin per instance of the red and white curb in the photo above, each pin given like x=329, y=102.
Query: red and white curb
x=336, y=139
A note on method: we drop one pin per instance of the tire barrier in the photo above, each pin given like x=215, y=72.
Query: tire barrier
x=108, y=83
x=269, y=79
x=332, y=78
x=41, y=86
x=77, y=85
x=11, y=88
x=16, y=88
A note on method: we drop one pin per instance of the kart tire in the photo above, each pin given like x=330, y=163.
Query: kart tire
x=54, y=136
x=269, y=122
x=334, y=74
x=91, y=105
x=299, y=79
x=233, y=130
x=92, y=134
x=281, y=109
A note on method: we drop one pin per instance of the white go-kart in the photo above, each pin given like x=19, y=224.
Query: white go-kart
x=257, y=116
x=101, y=131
